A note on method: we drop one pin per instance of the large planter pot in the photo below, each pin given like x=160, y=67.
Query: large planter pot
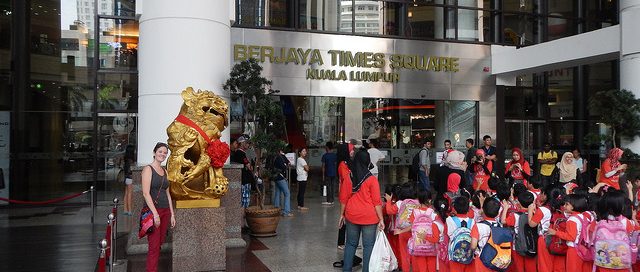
x=263, y=223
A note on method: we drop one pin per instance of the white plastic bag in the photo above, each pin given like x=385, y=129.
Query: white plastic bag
x=382, y=257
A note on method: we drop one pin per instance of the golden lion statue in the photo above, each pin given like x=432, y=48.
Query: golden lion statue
x=197, y=155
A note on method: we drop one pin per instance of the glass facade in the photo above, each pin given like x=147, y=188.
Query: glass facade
x=516, y=22
x=73, y=93
x=398, y=125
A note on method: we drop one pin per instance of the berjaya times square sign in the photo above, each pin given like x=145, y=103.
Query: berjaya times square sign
x=346, y=59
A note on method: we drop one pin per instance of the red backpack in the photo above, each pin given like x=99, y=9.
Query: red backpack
x=556, y=245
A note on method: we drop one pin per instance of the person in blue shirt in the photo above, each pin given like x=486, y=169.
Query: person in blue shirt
x=329, y=172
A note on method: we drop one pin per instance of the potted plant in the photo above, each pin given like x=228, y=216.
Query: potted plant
x=264, y=116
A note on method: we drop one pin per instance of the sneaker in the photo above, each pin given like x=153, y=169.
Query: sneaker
x=303, y=208
x=288, y=215
x=341, y=247
x=326, y=203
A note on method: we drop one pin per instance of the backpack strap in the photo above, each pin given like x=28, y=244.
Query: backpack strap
x=456, y=220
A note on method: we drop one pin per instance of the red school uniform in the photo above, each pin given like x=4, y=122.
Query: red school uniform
x=390, y=225
x=573, y=262
x=519, y=263
x=427, y=263
x=392, y=211
x=547, y=262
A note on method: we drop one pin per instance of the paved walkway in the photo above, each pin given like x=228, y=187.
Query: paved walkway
x=62, y=238
x=305, y=242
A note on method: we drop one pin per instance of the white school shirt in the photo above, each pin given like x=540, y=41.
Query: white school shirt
x=451, y=225
x=545, y=222
x=576, y=218
x=484, y=231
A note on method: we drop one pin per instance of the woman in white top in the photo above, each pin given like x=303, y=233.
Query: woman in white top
x=581, y=163
x=302, y=171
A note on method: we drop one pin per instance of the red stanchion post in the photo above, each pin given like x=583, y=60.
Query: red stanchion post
x=102, y=261
x=108, y=236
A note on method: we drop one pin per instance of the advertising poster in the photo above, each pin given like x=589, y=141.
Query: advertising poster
x=5, y=132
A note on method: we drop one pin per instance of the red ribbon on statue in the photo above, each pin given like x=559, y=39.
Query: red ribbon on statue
x=217, y=150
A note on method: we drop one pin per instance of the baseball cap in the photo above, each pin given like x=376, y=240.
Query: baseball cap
x=243, y=138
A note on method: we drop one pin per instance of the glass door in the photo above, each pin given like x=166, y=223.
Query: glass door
x=115, y=132
x=528, y=135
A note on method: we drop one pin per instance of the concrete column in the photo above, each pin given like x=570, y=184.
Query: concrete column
x=352, y=118
x=181, y=45
x=630, y=54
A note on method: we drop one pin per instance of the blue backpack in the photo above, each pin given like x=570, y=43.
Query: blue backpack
x=496, y=253
x=459, y=249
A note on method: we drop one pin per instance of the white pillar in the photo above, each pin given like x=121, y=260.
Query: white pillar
x=181, y=44
x=630, y=55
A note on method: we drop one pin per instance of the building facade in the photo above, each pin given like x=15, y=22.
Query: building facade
x=80, y=80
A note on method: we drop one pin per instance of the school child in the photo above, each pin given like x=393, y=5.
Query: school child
x=524, y=251
x=458, y=229
x=481, y=232
x=425, y=235
x=551, y=208
x=476, y=204
x=534, y=187
x=403, y=209
x=574, y=206
x=391, y=197
x=441, y=205
x=613, y=245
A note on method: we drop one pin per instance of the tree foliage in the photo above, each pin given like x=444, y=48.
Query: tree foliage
x=618, y=109
x=246, y=82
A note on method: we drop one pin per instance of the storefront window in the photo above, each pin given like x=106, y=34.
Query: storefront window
x=425, y=21
x=269, y=13
x=58, y=142
x=322, y=15
x=118, y=44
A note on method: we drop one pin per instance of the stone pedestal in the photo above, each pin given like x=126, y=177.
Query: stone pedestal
x=231, y=202
x=198, y=240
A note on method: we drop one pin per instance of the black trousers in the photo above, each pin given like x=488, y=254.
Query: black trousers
x=330, y=182
x=302, y=187
x=341, y=235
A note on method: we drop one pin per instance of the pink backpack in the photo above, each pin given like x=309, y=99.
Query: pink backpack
x=612, y=245
x=443, y=247
x=406, y=208
x=421, y=229
x=584, y=247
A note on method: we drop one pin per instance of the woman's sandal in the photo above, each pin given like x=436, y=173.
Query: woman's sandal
x=338, y=264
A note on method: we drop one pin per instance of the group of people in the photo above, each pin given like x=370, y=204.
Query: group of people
x=511, y=223
x=475, y=167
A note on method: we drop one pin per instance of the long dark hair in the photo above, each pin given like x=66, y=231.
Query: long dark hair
x=342, y=153
x=129, y=152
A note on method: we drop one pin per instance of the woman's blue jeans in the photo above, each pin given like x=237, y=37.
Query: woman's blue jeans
x=353, y=238
x=282, y=187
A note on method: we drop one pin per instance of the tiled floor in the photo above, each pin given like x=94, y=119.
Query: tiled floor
x=62, y=238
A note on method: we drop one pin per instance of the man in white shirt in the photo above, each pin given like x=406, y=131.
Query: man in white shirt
x=375, y=155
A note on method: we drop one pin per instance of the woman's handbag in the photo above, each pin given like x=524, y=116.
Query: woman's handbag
x=146, y=216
